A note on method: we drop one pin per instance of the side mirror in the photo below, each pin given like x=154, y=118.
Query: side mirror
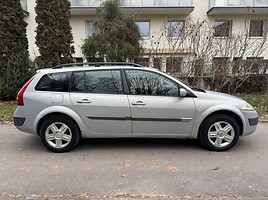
x=183, y=92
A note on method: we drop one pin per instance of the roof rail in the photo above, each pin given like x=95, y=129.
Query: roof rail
x=96, y=64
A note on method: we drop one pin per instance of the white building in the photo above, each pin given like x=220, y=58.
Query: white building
x=154, y=15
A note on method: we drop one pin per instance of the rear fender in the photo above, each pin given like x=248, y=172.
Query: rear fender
x=85, y=131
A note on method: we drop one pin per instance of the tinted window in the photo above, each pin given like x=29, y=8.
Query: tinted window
x=58, y=82
x=103, y=82
x=149, y=83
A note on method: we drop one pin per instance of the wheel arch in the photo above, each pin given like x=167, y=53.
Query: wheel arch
x=47, y=113
x=45, y=117
x=232, y=114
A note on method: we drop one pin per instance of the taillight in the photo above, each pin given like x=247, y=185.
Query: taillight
x=21, y=92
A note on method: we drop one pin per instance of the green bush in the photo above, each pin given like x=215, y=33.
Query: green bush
x=15, y=76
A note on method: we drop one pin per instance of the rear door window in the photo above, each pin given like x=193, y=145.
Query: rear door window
x=56, y=82
x=102, y=82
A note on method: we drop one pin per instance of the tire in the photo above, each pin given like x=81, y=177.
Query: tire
x=59, y=134
x=219, y=132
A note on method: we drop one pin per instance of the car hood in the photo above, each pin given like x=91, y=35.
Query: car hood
x=211, y=98
x=220, y=95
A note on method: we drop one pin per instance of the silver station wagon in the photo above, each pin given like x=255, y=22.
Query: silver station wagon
x=104, y=100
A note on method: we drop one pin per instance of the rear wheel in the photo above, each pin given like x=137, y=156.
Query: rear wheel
x=219, y=133
x=59, y=134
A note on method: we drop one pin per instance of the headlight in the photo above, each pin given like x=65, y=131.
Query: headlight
x=247, y=106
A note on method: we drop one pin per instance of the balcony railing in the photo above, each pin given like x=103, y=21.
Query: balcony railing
x=238, y=3
x=24, y=4
x=135, y=3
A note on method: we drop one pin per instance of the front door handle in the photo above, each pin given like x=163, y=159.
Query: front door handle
x=84, y=101
x=139, y=103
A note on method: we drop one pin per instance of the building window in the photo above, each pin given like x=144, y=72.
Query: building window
x=218, y=3
x=78, y=60
x=173, y=64
x=142, y=61
x=199, y=66
x=222, y=28
x=160, y=3
x=90, y=28
x=220, y=66
x=175, y=28
x=260, y=3
x=254, y=64
x=144, y=28
x=237, y=65
x=256, y=28
x=157, y=63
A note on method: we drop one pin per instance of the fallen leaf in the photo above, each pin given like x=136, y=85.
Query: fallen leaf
x=124, y=175
x=172, y=169
x=127, y=163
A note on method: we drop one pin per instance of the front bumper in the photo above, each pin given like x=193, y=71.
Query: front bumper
x=251, y=121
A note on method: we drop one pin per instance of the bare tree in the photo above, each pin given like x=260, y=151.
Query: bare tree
x=212, y=57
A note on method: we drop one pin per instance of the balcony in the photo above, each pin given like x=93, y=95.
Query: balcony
x=234, y=7
x=24, y=6
x=177, y=7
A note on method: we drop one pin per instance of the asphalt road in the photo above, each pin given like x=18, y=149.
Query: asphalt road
x=133, y=168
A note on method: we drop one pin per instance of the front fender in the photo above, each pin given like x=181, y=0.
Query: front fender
x=202, y=114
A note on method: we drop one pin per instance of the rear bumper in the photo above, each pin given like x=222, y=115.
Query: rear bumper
x=24, y=120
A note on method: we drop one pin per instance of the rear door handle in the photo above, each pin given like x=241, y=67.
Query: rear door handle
x=84, y=101
x=138, y=103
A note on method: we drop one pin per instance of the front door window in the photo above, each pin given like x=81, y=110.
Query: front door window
x=150, y=83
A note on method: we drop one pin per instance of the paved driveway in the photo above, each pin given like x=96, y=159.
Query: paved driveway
x=152, y=168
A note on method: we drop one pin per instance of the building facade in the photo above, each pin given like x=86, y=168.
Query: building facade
x=164, y=24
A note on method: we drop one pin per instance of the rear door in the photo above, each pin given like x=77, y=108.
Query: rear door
x=99, y=99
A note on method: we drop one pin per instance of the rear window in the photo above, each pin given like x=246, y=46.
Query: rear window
x=56, y=82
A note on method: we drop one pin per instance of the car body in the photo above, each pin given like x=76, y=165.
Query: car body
x=66, y=103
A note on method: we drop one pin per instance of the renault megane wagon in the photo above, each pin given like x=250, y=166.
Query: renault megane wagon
x=105, y=100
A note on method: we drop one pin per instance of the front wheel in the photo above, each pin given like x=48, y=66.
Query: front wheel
x=59, y=134
x=219, y=132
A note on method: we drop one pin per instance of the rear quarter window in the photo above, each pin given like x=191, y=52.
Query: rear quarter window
x=56, y=82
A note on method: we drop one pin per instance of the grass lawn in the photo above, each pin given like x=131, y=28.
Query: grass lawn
x=259, y=101
x=7, y=109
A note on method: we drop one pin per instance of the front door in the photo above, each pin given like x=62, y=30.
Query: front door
x=156, y=107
